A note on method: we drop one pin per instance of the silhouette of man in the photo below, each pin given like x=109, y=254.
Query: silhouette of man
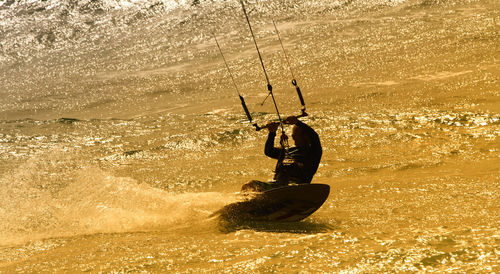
x=296, y=165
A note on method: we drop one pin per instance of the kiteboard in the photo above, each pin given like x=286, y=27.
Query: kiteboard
x=283, y=204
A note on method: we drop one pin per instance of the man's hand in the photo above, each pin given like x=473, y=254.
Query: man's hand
x=291, y=120
x=272, y=126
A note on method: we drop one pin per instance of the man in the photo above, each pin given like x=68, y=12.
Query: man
x=296, y=165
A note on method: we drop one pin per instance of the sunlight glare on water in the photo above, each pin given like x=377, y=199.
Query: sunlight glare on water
x=121, y=134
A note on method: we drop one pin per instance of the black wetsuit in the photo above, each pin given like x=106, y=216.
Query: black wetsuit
x=299, y=164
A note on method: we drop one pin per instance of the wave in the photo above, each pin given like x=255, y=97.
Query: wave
x=77, y=56
x=48, y=26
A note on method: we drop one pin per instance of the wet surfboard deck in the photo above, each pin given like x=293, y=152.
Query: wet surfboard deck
x=284, y=204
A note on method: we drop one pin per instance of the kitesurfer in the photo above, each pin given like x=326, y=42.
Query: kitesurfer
x=296, y=165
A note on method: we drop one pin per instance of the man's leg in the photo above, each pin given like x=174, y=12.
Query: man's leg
x=258, y=186
x=252, y=186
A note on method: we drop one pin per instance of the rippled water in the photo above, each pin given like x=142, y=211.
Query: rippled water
x=121, y=133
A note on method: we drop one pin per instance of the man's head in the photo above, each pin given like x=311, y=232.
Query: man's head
x=300, y=137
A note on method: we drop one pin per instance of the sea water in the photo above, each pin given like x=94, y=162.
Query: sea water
x=121, y=133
